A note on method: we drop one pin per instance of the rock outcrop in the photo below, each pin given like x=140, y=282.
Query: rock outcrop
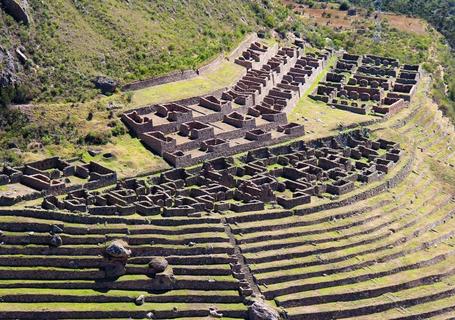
x=8, y=73
x=17, y=9
x=105, y=85
x=260, y=310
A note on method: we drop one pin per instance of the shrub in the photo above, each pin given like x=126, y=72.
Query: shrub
x=118, y=129
x=97, y=138
x=129, y=96
x=344, y=6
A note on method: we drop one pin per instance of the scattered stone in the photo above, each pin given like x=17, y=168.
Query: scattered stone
x=93, y=153
x=12, y=145
x=34, y=146
x=140, y=300
x=215, y=313
x=22, y=57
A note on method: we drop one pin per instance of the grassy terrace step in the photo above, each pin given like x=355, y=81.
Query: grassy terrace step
x=313, y=264
x=147, y=250
x=443, y=309
x=21, y=224
x=395, y=216
x=96, y=260
x=185, y=270
x=328, y=233
x=53, y=273
x=85, y=269
x=309, y=261
x=401, y=232
x=354, y=276
x=245, y=230
x=249, y=231
x=293, y=230
x=343, y=278
x=42, y=273
x=411, y=252
x=402, y=298
x=303, y=251
x=436, y=269
x=422, y=117
x=128, y=282
x=29, y=295
x=85, y=218
x=439, y=150
x=34, y=311
x=44, y=238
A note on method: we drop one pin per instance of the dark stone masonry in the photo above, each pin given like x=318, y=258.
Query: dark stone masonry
x=215, y=235
x=249, y=115
x=366, y=84
x=51, y=176
x=285, y=176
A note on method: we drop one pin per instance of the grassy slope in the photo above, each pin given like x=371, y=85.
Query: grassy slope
x=73, y=41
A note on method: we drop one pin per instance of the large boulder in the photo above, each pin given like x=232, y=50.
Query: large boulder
x=260, y=310
x=17, y=9
x=56, y=241
x=105, y=84
x=118, y=249
x=158, y=265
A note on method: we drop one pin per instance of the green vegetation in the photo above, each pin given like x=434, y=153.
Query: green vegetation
x=77, y=42
x=222, y=77
x=407, y=47
x=441, y=14
x=71, y=42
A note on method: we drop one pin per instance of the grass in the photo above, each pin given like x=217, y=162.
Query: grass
x=130, y=157
x=74, y=42
x=71, y=306
x=222, y=77
x=317, y=116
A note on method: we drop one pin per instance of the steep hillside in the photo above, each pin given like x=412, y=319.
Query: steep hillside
x=69, y=42
x=441, y=15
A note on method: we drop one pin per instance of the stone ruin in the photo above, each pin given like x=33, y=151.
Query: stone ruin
x=285, y=176
x=51, y=176
x=250, y=114
x=364, y=84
